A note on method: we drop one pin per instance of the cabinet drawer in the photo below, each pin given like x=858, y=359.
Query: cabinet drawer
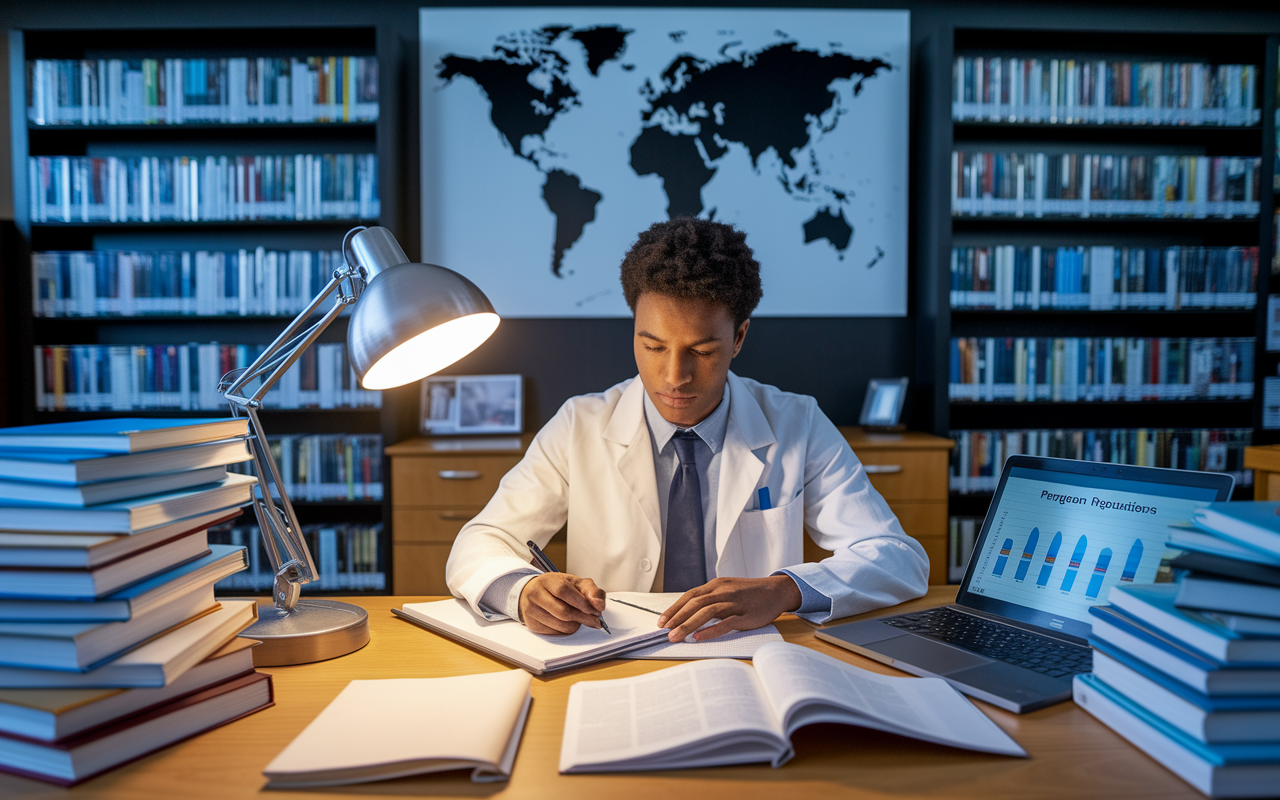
x=907, y=475
x=448, y=482
x=419, y=568
x=421, y=525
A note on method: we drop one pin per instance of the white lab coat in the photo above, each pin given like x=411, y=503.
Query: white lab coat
x=592, y=467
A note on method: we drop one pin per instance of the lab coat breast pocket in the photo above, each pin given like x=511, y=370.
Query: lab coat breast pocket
x=773, y=538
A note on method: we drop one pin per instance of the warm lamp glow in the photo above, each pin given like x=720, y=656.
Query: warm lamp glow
x=430, y=351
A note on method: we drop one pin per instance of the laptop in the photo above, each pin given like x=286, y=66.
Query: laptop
x=1058, y=535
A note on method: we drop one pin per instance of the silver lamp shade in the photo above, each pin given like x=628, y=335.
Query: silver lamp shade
x=412, y=319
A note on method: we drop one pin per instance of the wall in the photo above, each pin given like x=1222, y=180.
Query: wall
x=831, y=359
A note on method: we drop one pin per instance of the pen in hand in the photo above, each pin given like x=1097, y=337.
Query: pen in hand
x=544, y=563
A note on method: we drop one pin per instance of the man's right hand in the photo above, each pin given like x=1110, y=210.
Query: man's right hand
x=558, y=603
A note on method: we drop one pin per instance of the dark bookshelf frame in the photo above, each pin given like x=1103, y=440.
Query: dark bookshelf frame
x=382, y=137
x=1269, y=283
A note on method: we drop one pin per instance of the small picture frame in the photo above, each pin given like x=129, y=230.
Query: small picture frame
x=882, y=407
x=465, y=404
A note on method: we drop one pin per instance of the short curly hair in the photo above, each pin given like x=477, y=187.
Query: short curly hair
x=694, y=259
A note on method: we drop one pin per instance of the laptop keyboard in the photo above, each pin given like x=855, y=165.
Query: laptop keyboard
x=1000, y=642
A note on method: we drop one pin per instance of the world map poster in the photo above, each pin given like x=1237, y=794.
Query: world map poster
x=551, y=137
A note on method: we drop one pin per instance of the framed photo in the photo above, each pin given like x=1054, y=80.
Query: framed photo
x=882, y=407
x=459, y=404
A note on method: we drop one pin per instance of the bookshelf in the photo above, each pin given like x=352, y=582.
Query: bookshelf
x=179, y=195
x=1268, y=405
x=1140, y=159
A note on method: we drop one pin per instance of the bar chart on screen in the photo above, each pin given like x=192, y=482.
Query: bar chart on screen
x=1112, y=536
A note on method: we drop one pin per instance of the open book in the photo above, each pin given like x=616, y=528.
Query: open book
x=633, y=628
x=709, y=713
x=379, y=729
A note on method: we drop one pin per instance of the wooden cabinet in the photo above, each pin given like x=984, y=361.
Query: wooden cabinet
x=1264, y=460
x=910, y=470
x=436, y=486
x=439, y=484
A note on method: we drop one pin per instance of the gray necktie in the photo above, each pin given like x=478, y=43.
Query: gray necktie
x=685, y=556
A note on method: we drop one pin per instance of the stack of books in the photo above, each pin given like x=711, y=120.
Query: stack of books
x=111, y=642
x=1189, y=672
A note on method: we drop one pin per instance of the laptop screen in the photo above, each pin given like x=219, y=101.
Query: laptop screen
x=1059, y=534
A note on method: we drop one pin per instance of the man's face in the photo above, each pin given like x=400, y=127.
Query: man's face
x=683, y=349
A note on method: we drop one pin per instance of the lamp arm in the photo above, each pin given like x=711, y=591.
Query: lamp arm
x=291, y=560
x=291, y=344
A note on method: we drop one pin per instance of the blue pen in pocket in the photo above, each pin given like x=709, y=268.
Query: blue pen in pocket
x=765, y=505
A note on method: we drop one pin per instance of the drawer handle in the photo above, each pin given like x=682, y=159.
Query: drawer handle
x=459, y=474
x=882, y=469
x=454, y=516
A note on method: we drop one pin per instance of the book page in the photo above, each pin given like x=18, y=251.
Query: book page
x=663, y=712
x=806, y=686
x=738, y=644
x=376, y=729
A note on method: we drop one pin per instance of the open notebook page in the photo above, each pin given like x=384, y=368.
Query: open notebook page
x=631, y=628
x=739, y=644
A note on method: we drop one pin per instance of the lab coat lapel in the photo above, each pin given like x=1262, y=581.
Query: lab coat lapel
x=635, y=460
x=747, y=436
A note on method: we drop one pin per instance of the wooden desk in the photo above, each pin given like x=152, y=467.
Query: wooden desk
x=1072, y=755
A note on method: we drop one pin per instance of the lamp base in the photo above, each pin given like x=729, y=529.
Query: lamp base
x=315, y=630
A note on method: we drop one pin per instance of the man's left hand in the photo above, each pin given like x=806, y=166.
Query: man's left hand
x=741, y=604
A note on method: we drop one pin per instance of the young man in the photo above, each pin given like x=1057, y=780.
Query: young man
x=688, y=478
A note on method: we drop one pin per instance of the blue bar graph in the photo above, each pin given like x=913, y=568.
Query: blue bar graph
x=1131, y=563
x=1027, y=553
x=1004, y=558
x=1099, y=572
x=1073, y=566
x=1049, y=558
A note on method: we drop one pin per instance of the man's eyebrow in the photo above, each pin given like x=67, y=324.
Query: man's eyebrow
x=707, y=340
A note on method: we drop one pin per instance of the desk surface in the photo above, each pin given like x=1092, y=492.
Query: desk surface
x=1072, y=755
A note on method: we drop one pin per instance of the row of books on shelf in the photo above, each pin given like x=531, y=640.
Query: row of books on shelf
x=113, y=635
x=327, y=466
x=1071, y=369
x=1189, y=671
x=1103, y=92
x=97, y=377
x=346, y=558
x=114, y=91
x=1086, y=184
x=1103, y=277
x=97, y=283
x=203, y=188
x=979, y=455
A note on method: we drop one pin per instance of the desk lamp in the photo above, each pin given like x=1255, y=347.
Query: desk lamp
x=410, y=320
